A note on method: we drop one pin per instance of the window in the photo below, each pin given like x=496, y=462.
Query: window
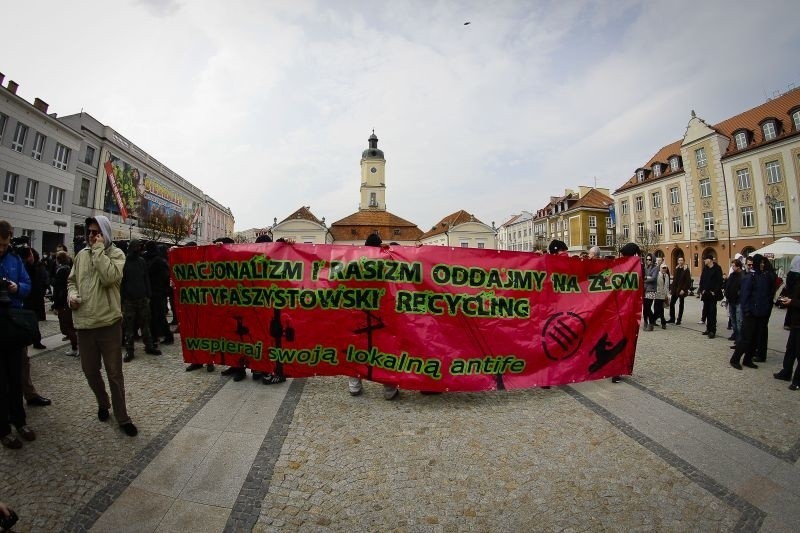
x=55, y=199
x=747, y=220
x=640, y=203
x=10, y=188
x=656, y=200
x=773, y=172
x=373, y=201
x=38, y=146
x=624, y=205
x=609, y=239
x=705, y=188
x=674, y=195
x=483, y=245
x=656, y=170
x=465, y=245
x=700, y=156
x=61, y=156
x=674, y=163
x=30, y=193
x=626, y=231
x=741, y=140
x=84, y=197
x=592, y=221
x=608, y=222
x=30, y=234
x=769, y=130
x=640, y=176
x=19, y=137
x=708, y=223
x=640, y=228
x=779, y=213
x=592, y=240
x=658, y=227
x=743, y=179
x=3, y=122
x=795, y=121
x=677, y=225
x=88, y=157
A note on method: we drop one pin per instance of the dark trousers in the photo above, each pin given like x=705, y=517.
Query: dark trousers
x=746, y=343
x=158, y=317
x=762, y=335
x=680, y=307
x=11, y=408
x=792, y=355
x=648, y=311
x=67, y=327
x=710, y=313
x=136, y=314
x=658, y=312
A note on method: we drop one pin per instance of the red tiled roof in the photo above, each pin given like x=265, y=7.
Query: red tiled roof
x=361, y=224
x=303, y=213
x=459, y=217
x=778, y=108
x=594, y=199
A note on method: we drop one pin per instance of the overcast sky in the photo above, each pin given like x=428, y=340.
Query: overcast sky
x=266, y=106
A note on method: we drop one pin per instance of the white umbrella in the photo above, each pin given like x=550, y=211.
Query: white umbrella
x=781, y=248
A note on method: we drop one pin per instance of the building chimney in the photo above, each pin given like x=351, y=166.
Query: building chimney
x=40, y=104
x=2, y=77
x=12, y=86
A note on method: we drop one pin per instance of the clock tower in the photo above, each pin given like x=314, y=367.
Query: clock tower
x=373, y=177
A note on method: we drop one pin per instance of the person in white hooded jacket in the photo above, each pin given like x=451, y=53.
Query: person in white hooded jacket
x=93, y=294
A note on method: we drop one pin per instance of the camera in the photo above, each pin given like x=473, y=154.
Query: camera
x=5, y=299
x=7, y=522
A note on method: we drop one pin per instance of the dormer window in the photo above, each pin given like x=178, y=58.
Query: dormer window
x=674, y=162
x=700, y=156
x=769, y=129
x=640, y=175
x=741, y=140
x=657, y=170
x=795, y=120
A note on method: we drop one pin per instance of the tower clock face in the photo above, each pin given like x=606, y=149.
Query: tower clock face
x=373, y=170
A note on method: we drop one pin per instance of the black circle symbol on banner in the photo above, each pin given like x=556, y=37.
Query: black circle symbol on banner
x=562, y=335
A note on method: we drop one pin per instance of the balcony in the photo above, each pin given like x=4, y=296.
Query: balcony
x=708, y=236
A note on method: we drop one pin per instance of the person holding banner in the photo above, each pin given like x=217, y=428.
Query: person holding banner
x=390, y=392
x=93, y=294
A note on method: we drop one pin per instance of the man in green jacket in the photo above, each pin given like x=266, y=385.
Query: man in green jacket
x=93, y=294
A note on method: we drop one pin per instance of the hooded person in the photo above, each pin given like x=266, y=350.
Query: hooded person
x=390, y=392
x=136, y=291
x=93, y=294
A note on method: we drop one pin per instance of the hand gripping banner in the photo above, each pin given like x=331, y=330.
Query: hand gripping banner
x=425, y=318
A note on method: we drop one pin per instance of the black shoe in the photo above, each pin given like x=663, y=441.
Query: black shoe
x=193, y=366
x=128, y=357
x=663, y=326
x=750, y=364
x=240, y=374
x=129, y=429
x=272, y=379
x=733, y=346
x=258, y=375
x=671, y=321
x=152, y=351
x=705, y=332
x=231, y=370
x=712, y=335
x=760, y=359
x=794, y=386
x=782, y=376
x=616, y=379
x=102, y=414
x=168, y=340
x=678, y=323
x=735, y=364
x=39, y=401
x=39, y=346
x=210, y=367
x=732, y=338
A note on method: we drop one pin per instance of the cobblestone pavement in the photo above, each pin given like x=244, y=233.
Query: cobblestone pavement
x=519, y=460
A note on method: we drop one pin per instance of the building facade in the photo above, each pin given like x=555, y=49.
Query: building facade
x=581, y=219
x=722, y=189
x=517, y=234
x=302, y=227
x=38, y=160
x=461, y=229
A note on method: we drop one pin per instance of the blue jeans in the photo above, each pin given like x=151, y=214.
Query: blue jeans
x=735, y=312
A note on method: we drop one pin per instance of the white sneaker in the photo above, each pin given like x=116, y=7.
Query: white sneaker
x=71, y=353
x=354, y=385
x=389, y=392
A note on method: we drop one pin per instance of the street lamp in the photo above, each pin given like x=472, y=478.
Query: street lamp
x=59, y=224
x=772, y=202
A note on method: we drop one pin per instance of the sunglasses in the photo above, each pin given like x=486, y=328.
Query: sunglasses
x=94, y=232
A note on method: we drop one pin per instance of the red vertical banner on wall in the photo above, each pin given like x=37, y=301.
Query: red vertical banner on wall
x=112, y=182
x=429, y=318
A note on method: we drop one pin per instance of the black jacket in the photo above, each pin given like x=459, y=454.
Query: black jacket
x=711, y=282
x=135, y=279
x=732, y=286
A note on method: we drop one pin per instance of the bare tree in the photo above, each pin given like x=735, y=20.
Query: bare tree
x=152, y=224
x=239, y=238
x=178, y=228
x=620, y=240
x=648, y=241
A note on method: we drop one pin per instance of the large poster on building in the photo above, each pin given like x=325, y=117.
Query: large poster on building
x=427, y=318
x=132, y=193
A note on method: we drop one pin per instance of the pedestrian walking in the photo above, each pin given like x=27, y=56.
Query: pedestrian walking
x=710, y=293
x=681, y=283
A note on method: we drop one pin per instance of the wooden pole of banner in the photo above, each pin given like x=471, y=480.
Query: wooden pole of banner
x=368, y=331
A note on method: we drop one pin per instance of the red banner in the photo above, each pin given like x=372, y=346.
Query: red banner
x=426, y=318
x=112, y=182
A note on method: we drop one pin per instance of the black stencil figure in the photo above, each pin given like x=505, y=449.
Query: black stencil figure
x=368, y=330
x=278, y=333
x=242, y=331
x=605, y=352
